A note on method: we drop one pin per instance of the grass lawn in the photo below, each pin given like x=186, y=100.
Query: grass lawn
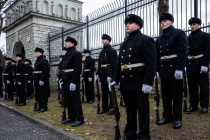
x=196, y=126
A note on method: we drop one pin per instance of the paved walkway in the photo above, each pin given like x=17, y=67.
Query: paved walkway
x=15, y=127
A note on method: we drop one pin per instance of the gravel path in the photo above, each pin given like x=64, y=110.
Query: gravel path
x=15, y=127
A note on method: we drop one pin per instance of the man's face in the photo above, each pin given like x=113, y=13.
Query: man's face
x=13, y=63
x=86, y=54
x=18, y=58
x=69, y=44
x=194, y=26
x=105, y=42
x=26, y=62
x=37, y=54
x=165, y=24
x=131, y=27
x=64, y=52
x=7, y=61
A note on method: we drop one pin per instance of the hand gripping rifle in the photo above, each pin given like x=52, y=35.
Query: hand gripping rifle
x=116, y=114
x=98, y=96
x=157, y=99
x=185, y=92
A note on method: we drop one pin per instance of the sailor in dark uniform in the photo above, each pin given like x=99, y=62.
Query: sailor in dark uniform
x=72, y=65
x=106, y=66
x=8, y=79
x=198, y=66
x=172, y=57
x=135, y=71
x=29, y=79
x=41, y=80
x=20, y=80
x=88, y=76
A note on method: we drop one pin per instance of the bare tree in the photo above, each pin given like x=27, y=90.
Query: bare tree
x=3, y=4
x=163, y=7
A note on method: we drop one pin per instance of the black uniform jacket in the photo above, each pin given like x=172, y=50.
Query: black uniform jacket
x=42, y=65
x=89, y=64
x=136, y=48
x=171, y=42
x=20, y=72
x=198, y=43
x=9, y=71
x=108, y=55
x=29, y=72
x=72, y=60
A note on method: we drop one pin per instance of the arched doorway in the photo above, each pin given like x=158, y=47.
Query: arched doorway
x=19, y=48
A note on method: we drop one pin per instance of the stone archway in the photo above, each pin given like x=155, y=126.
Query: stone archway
x=18, y=48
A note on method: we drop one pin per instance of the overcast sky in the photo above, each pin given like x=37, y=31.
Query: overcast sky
x=87, y=7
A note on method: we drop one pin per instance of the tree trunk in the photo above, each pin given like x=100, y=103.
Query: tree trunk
x=163, y=7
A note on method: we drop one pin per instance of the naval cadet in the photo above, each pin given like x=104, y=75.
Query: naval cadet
x=198, y=66
x=172, y=57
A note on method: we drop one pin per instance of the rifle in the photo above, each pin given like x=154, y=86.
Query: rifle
x=83, y=91
x=116, y=114
x=121, y=100
x=64, y=112
x=98, y=96
x=185, y=92
x=157, y=99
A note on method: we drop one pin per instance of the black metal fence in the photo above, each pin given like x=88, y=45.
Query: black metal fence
x=110, y=20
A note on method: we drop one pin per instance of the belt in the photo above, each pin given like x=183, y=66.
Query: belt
x=132, y=65
x=17, y=73
x=168, y=56
x=37, y=72
x=68, y=70
x=87, y=70
x=5, y=74
x=104, y=65
x=195, y=57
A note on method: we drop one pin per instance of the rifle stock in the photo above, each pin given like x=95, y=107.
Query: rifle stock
x=64, y=112
x=157, y=99
x=185, y=92
x=116, y=114
x=98, y=96
x=83, y=91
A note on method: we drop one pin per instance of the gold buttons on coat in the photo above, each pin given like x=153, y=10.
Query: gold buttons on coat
x=171, y=65
x=130, y=49
x=131, y=75
x=160, y=46
x=129, y=55
x=123, y=50
x=122, y=76
x=121, y=56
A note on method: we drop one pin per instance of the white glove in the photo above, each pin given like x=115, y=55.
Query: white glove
x=41, y=83
x=81, y=79
x=109, y=79
x=157, y=74
x=72, y=87
x=204, y=69
x=57, y=79
x=146, y=88
x=178, y=75
x=19, y=83
x=29, y=81
x=8, y=82
x=111, y=84
x=14, y=83
x=60, y=84
x=90, y=79
x=96, y=77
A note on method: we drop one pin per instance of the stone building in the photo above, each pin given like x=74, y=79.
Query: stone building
x=29, y=22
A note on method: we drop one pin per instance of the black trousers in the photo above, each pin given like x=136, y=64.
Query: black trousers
x=41, y=95
x=29, y=89
x=172, y=95
x=89, y=90
x=194, y=82
x=21, y=93
x=137, y=104
x=9, y=90
x=1, y=90
x=72, y=100
x=105, y=95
